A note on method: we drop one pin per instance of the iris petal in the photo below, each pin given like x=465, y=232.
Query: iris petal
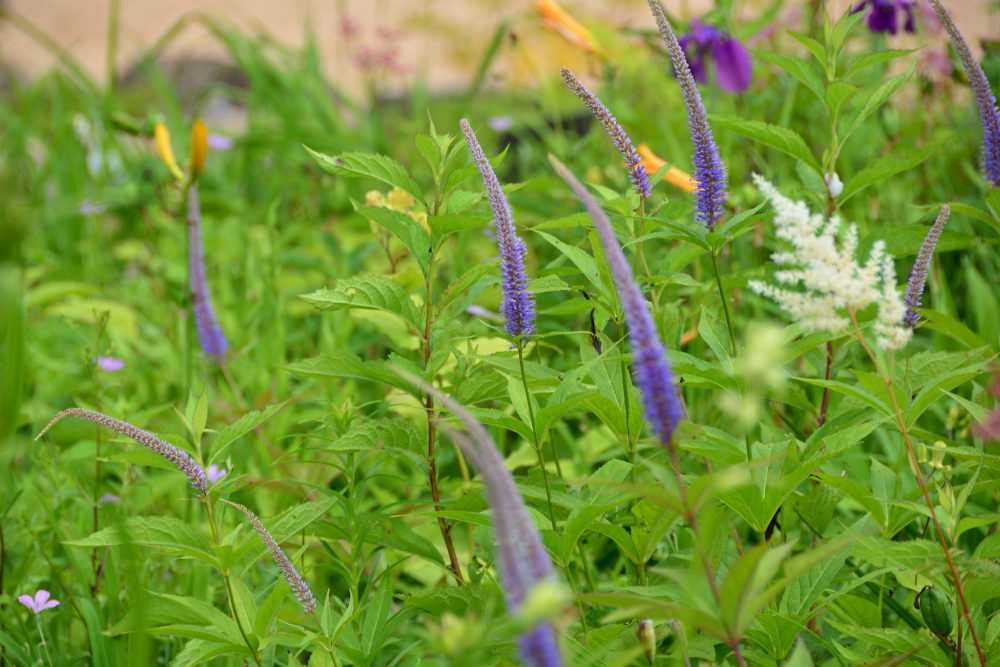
x=732, y=61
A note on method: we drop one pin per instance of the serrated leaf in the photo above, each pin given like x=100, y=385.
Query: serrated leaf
x=883, y=168
x=379, y=167
x=245, y=424
x=876, y=100
x=368, y=292
x=780, y=138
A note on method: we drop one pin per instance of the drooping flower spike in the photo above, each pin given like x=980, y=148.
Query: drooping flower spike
x=711, y=191
x=883, y=16
x=40, y=602
x=918, y=275
x=181, y=459
x=986, y=102
x=733, y=68
x=518, y=304
x=521, y=556
x=634, y=164
x=653, y=373
x=288, y=571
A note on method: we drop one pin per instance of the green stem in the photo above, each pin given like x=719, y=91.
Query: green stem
x=534, y=433
x=229, y=586
x=41, y=636
x=725, y=302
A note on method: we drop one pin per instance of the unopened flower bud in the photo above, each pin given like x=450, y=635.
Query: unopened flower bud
x=647, y=638
x=833, y=184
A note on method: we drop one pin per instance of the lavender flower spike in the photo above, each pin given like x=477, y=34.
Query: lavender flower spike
x=989, y=115
x=292, y=576
x=711, y=190
x=522, y=559
x=653, y=374
x=518, y=305
x=213, y=341
x=918, y=275
x=184, y=461
x=636, y=170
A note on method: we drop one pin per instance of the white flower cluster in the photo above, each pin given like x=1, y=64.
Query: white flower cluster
x=832, y=282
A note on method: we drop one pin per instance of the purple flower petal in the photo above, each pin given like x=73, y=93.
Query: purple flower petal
x=42, y=596
x=215, y=473
x=110, y=364
x=732, y=64
x=27, y=601
x=50, y=604
x=218, y=142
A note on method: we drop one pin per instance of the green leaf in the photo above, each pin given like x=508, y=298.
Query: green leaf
x=343, y=364
x=875, y=58
x=410, y=232
x=806, y=71
x=886, y=166
x=584, y=263
x=379, y=167
x=245, y=424
x=368, y=292
x=780, y=138
x=168, y=534
x=876, y=100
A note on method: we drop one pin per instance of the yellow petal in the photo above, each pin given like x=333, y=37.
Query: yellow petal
x=674, y=176
x=199, y=149
x=166, y=151
x=559, y=21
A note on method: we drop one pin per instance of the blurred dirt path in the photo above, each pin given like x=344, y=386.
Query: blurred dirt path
x=441, y=39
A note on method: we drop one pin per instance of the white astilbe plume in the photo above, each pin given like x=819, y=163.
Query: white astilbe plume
x=822, y=280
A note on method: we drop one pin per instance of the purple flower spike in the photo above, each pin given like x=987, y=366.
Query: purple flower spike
x=918, y=275
x=711, y=190
x=518, y=305
x=213, y=341
x=40, y=602
x=521, y=556
x=732, y=61
x=636, y=170
x=989, y=115
x=181, y=459
x=653, y=374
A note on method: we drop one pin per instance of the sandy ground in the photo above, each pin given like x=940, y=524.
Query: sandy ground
x=441, y=39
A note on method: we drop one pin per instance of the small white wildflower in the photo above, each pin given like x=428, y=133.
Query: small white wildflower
x=827, y=279
x=833, y=184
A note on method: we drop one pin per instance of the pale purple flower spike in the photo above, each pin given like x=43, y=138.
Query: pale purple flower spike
x=918, y=275
x=213, y=340
x=40, y=602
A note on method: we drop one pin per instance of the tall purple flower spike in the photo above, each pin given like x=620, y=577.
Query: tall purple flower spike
x=181, y=459
x=521, y=556
x=518, y=305
x=711, y=190
x=653, y=374
x=986, y=102
x=732, y=61
x=636, y=170
x=918, y=275
x=883, y=15
x=213, y=341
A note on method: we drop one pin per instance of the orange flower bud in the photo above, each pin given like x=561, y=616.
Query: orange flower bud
x=199, y=149
x=674, y=176
x=559, y=21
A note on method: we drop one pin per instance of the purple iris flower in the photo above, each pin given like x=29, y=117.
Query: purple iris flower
x=733, y=68
x=884, y=14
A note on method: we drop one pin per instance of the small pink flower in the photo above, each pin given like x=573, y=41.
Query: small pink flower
x=40, y=602
x=108, y=499
x=110, y=364
x=219, y=142
x=215, y=473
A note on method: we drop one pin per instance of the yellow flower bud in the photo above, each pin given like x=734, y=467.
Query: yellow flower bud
x=166, y=150
x=199, y=150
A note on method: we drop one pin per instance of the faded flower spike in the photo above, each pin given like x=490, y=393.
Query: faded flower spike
x=711, y=190
x=986, y=102
x=288, y=571
x=184, y=461
x=213, y=340
x=653, y=373
x=636, y=168
x=522, y=560
x=518, y=305
x=918, y=275
x=833, y=284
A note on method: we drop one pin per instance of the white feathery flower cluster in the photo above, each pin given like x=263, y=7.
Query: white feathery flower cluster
x=822, y=263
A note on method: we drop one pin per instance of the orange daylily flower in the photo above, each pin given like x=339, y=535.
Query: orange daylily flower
x=674, y=176
x=559, y=21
